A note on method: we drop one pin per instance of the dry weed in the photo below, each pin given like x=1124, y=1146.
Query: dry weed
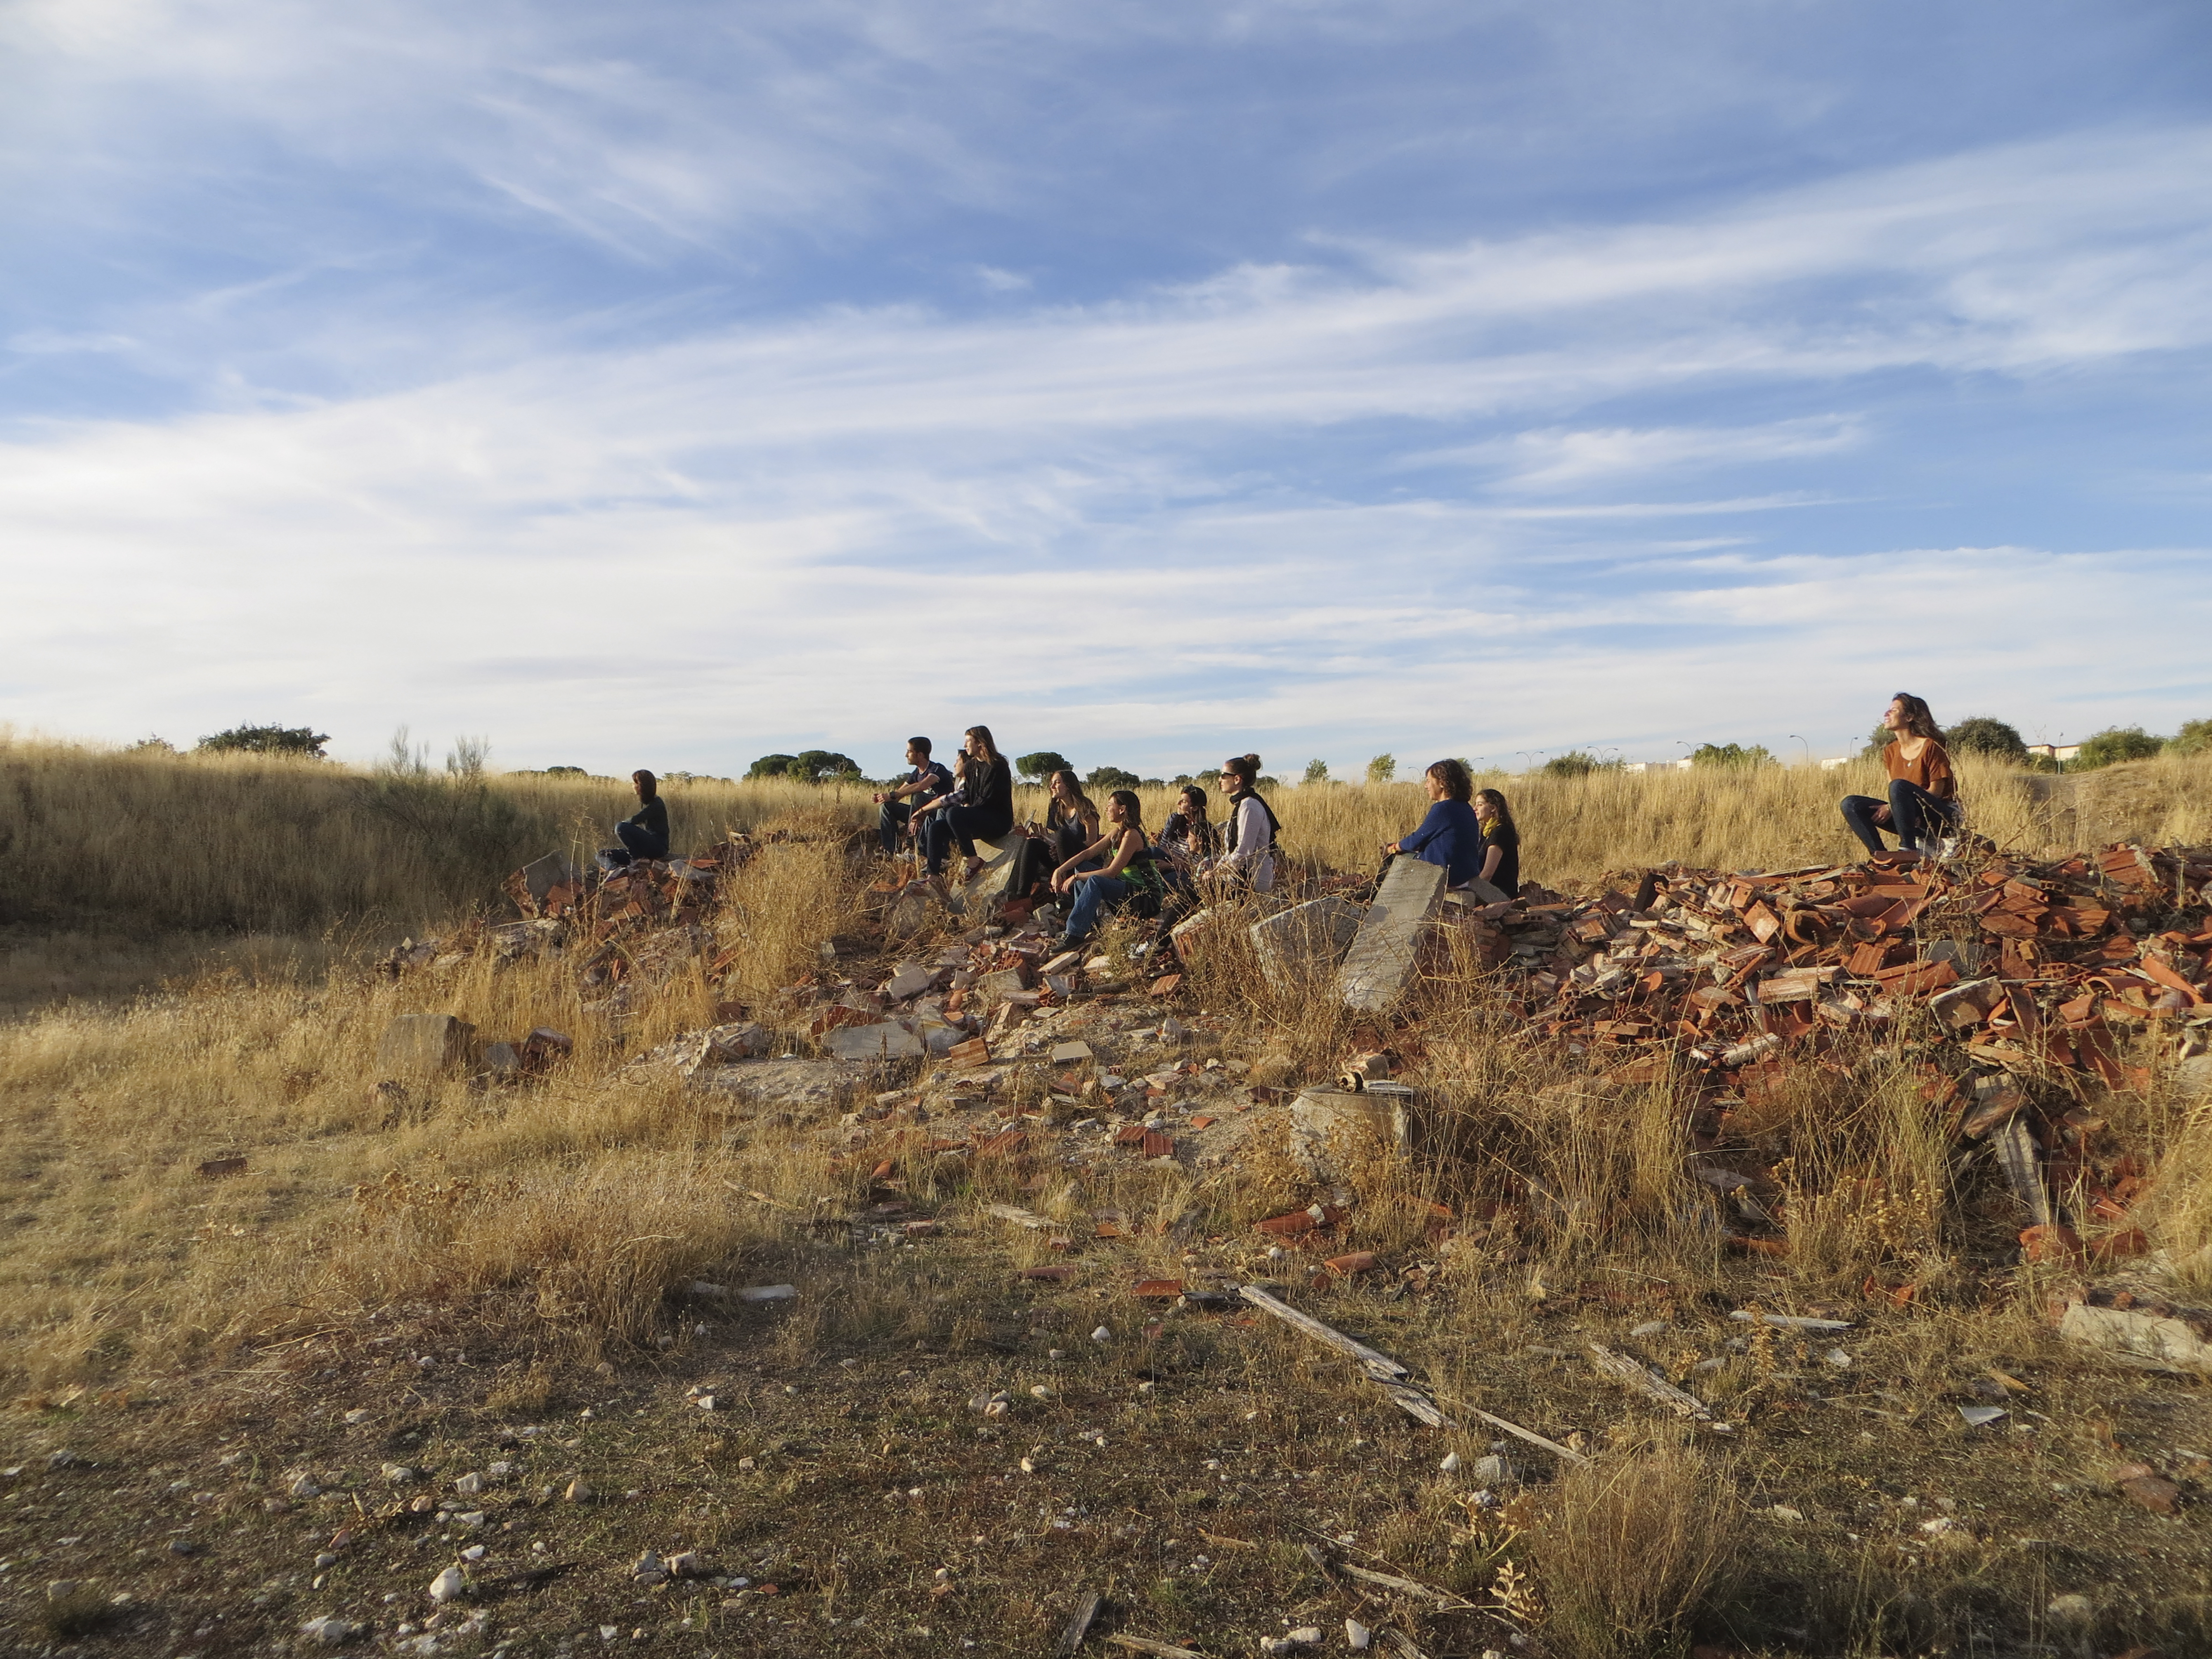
x=1635, y=1546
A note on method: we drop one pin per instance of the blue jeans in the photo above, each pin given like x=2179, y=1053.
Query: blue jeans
x=1915, y=816
x=1093, y=894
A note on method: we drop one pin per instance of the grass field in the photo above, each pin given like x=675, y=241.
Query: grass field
x=461, y=1267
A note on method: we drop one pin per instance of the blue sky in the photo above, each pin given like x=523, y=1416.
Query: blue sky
x=665, y=384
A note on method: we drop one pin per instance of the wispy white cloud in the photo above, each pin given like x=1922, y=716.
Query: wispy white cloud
x=1105, y=519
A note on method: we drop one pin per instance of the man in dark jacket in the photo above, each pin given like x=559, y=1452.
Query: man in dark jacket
x=644, y=835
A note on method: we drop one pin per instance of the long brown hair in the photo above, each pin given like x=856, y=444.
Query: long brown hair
x=1132, y=810
x=1918, y=720
x=982, y=735
x=1497, y=805
x=1081, y=805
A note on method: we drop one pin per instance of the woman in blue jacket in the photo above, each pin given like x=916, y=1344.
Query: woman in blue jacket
x=1449, y=836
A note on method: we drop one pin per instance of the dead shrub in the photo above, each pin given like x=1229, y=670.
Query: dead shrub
x=1634, y=1548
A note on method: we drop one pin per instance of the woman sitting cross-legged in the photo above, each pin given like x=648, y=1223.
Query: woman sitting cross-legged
x=1451, y=835
x=1128, y=877
x=1923, y=804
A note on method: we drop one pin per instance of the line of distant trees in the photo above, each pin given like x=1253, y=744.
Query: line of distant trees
x=1978, y=734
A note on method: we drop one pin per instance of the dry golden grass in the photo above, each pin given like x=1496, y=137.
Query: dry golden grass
x=548, y=1222
x=242, y=843
x=1634, y=1546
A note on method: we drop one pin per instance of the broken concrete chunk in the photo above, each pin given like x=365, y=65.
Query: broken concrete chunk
x=884, y=1041
x=541, y=875
x=423, y=1045
x=725, y=1045
x=1327, y=1123
x=1306, y=936
x=786, y=1085
x=1070, y=1054
x=2156, y=1335
x=910, y=981
x=1381, y=955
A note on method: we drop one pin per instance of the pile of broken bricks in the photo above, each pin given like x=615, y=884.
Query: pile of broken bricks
x=2020, y=985
x=2024, y=986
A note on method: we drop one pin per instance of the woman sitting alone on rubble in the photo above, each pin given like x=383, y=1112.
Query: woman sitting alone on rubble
x=1451, y=835
x=1501, y=843
x=1071, y=823
x=1247, y=839
x=1924, y=792
x=644, y=833
x=1130, y=875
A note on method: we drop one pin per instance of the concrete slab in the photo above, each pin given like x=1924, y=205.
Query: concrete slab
x=789, y=1085
x=883, y=1041
x=990, y=882
x=1315, y=934
x=1380, y=957
x=1325, y=1122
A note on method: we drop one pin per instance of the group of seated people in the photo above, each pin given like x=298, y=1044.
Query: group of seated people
x=1093, y=861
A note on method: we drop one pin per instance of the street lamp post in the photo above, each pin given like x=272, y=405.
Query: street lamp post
x=1809, y=748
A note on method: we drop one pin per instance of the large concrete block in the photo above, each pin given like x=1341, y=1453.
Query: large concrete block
x=1380, y=957
x=1326, y=1122
x=423, y=1045
x=990, y=882
x=1315, y=934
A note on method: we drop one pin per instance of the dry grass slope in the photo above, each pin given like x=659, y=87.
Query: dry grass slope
x=552, y=1221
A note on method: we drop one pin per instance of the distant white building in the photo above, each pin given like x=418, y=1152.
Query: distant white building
x=2061, y=752
x=1682, y=765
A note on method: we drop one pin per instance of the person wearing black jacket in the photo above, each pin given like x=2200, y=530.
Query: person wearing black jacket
x=644, y=833
x=986, y=813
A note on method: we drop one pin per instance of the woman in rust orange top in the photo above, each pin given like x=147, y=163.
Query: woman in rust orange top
x=1924, y=793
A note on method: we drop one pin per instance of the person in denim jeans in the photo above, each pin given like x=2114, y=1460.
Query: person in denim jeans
x=1128, y=874
x=1923, y=806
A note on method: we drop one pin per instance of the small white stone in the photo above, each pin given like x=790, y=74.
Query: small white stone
x=1450, y=1463
x=1356, y=1636
x=1038, y=1391
x=1648, y=1327
x=474, y=1552
x=470, y=1484
x=305, y=1486
x=472, y=1519
x=1102, y=1335
x=397, y=1475
x=448, y=1586
x=355, y=1418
